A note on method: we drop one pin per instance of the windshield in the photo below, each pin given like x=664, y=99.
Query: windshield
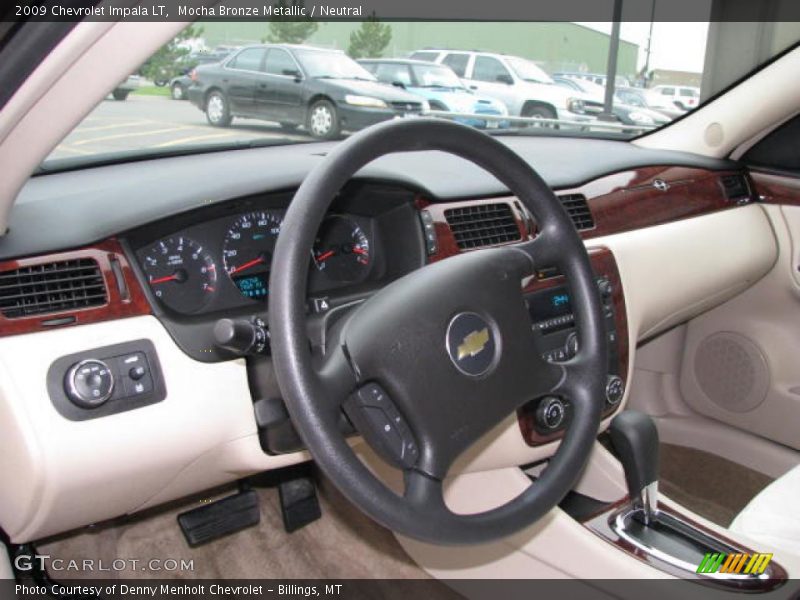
x=433, y=76
x=528, y=71
x=229, y=84
x=332, y=65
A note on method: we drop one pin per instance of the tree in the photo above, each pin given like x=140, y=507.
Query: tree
x=166, y=62
x=371, y=39
x=290, y=29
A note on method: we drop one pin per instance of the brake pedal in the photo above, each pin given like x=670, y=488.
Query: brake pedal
x=299, y=502
x=223, y=517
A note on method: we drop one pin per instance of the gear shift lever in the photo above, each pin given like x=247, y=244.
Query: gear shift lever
x=635, y=439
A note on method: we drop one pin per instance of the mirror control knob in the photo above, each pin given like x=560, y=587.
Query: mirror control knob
x=89, y=383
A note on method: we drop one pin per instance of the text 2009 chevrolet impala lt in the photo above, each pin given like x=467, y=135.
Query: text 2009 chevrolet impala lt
x=421, y=351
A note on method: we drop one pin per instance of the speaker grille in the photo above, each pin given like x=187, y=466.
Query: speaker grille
x=731, y=371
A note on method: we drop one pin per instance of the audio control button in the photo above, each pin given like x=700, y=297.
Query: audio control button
x=551, y=412
x=615, y=390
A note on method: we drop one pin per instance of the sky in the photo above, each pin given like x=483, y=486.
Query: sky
x=675, y=46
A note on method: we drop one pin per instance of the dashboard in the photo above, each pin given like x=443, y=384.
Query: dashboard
x=215, y=262
x=191, y=245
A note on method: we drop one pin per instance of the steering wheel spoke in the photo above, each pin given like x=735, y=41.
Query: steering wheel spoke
x=336, y=376
x=424, y=492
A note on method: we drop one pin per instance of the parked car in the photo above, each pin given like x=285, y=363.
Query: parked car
x=324, y=90
x=441, y=87
x=596, y=78
x=126, y=87
x=625, y=113
x=520, y=84
x=647, y=99
x=179, y=86
x=682, y=96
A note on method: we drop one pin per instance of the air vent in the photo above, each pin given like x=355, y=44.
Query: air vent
x=51, y=287
x=736, y=188
x=578, y=210
x=482, y=225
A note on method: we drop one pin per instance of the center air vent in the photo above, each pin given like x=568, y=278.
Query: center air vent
x=578, y=210
x=51, y=287
x=736, y=188
x=482, y=225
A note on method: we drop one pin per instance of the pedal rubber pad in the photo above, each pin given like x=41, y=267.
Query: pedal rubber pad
x=223, y=517
x=299, y=503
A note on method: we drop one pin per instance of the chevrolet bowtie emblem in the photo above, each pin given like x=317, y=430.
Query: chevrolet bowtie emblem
x=473, y=344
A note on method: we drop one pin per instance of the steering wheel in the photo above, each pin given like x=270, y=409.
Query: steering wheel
x=442, y=354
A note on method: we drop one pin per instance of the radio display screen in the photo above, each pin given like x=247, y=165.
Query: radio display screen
x=550, y=303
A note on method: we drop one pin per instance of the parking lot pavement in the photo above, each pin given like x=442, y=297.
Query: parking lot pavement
x=156, y=122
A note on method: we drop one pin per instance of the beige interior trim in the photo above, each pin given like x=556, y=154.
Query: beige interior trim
x=68, y=474
x=65, y=87
x=555, y=547
x=765, y=319
x=6, y=572
x=700, y=263
x=717, y=128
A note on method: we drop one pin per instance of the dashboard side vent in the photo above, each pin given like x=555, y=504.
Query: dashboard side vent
x=578, y=210
x=482, y=225
x=51, y=287
x=735, y=188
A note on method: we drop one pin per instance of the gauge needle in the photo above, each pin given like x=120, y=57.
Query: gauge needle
x=325, y=255
x=173, y=277
x=357, y=250
x=247, y=265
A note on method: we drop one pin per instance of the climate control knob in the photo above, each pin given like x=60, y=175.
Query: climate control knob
x=89, y=383
x=615, y=389
x=551, y=412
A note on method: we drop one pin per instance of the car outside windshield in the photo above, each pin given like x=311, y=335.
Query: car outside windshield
x=506, y=78
x=528, y=71
x=333, y=65
x=433, y=76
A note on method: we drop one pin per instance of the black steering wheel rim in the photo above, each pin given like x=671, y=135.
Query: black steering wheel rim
x=313, y=393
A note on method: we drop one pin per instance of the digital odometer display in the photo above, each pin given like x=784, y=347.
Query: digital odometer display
x=252, y=286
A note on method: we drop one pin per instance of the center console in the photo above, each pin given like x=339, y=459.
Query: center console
x=545, y=419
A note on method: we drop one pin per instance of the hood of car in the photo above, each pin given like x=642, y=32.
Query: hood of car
x=459, y=100
x=549, y=91
x=373, y=89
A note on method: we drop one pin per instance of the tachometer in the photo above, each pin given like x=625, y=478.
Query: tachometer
x=342, y=250
x=182, y=275
x=247, y=252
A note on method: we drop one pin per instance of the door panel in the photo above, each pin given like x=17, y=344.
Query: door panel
x=242, y=75
x=277, y=95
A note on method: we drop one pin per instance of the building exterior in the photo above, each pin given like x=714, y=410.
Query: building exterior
x=554, y=46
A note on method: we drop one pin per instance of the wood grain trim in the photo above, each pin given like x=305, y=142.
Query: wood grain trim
x=776, y=189
x=116, y=307
x=600, y=525
x=627, y=200
x=603, y=263
x=446, y=241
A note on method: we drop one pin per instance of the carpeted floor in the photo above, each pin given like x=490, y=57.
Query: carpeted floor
x=711, y=486
x=343, y=544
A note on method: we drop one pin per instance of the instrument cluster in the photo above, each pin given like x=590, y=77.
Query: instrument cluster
x=226, y=262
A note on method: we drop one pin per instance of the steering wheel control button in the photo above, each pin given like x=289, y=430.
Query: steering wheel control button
x=471, y=345
x=615, y=390
x=374, y=415
x=89, y=383
x=551, y=413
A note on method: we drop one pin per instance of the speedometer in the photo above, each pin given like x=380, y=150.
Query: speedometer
x=247, y=252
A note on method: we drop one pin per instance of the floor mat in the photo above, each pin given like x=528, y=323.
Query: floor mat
x=712, y=486
x=343, y=544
